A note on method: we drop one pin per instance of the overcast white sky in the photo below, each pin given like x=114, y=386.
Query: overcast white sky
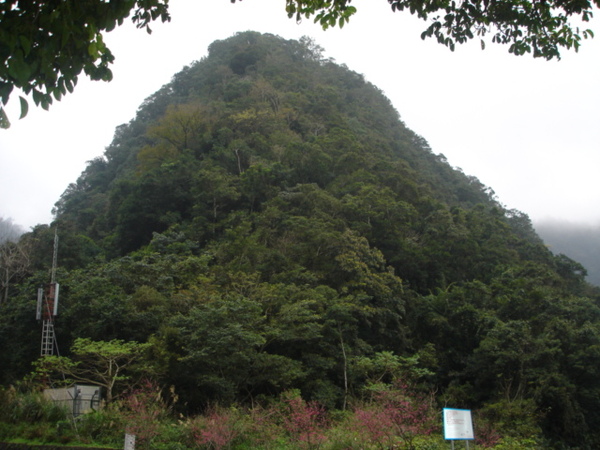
x=529, y=129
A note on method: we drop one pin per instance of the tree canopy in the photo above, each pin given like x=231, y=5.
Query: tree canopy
x=96, y=362
x=541, y=28
x=45, y=45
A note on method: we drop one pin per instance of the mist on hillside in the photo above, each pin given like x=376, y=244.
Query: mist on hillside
x=9, y=231
x=578, y=241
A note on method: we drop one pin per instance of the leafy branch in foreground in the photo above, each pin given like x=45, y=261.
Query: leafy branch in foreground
x=538, y=27
x=45, y=45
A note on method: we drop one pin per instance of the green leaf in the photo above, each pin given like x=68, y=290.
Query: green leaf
x=18, y=68
x=25, y=44
x=5, y=90
x=46, y=102
x=4, y=122
x=37, y=97
x=93, y=50
x=24, y=107
x=70, y=85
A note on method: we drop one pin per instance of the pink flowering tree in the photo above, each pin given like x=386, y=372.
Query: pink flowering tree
x=217, y=429
x=304, y=422
x=143, y=409
x=396, y=415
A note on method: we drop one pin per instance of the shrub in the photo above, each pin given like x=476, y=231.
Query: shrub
x=142, y=411
x=304, y=422
x=104, y=426
x=265, y=429
x=218, y=429
x=394, y=416
x=517, y=418
x=29, y=407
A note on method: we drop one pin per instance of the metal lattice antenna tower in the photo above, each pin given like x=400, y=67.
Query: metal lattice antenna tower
x=48, y=305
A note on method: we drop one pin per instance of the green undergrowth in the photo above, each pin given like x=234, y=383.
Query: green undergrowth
x=392, y=417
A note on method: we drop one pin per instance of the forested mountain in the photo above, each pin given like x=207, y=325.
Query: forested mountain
x=267, y=222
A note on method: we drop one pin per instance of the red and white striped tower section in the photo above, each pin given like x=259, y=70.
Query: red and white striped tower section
x=47, y=306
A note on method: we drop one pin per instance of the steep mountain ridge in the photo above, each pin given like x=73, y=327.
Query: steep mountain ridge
x=260, y=107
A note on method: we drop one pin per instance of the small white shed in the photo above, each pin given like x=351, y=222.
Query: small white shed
x=78, y=399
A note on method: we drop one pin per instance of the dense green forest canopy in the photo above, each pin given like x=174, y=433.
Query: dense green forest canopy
x=267, y=222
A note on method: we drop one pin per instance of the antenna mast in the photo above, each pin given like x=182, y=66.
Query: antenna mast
x=54, y=256
x=47, y=305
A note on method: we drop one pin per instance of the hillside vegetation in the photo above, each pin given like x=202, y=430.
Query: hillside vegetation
x=267, y=223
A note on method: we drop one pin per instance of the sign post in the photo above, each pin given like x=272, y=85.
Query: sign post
x=458, y=425
x=129, y=442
